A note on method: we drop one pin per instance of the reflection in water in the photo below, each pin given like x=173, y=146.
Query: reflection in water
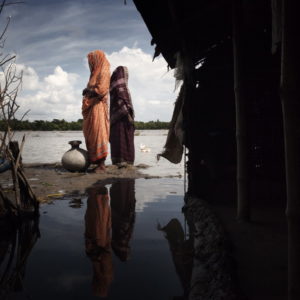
x=17, y=238
x=98, y=239
x=202, y=261
x=75, y=202
x=182, y=253
x=122, y=196
x=108, y=225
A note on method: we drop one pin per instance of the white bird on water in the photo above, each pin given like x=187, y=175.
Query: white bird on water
x=143, y=148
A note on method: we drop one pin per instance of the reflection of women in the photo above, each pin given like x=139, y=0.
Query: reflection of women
x=95, y=109
x=121, y=118
x=97, y=239
x=122, y=196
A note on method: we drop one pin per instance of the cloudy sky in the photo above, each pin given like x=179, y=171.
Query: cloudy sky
x=51, y=39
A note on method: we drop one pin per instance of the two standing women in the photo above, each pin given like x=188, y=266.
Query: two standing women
x=97, y=128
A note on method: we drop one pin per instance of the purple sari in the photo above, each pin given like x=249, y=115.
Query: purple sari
x=121, y=118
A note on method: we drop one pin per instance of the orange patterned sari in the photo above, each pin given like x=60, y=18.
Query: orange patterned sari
x=95, y=107
x=98, y=239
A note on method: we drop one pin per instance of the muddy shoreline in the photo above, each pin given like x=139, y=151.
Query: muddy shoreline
x=51, y=180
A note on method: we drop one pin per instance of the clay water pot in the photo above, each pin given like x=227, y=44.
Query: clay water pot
x=75, y=159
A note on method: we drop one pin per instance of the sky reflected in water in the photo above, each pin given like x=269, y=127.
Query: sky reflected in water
x=107, y=243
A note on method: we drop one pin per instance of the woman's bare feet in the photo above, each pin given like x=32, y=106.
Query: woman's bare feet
x=100, y=168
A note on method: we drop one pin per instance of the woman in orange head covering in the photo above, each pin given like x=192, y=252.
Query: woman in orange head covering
x=95, y=109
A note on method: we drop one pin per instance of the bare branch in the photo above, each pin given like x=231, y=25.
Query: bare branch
x=5, y=28
x=10, y=85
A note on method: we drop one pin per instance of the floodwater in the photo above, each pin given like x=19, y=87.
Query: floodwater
x=49, y=147
x=106, y=244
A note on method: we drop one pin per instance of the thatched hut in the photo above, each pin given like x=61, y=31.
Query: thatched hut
x=240, y=105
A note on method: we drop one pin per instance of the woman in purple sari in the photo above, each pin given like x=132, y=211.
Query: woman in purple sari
x=121, y=118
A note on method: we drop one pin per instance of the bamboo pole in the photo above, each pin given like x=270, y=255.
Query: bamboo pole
x=290, y=99
x=242, y=176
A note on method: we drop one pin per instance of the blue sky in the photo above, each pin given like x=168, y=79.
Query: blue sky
x=51, y=40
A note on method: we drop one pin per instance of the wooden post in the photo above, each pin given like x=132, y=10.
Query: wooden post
x=25, y=199
x=189, y=85
x=14, y=149
x=243, y=197
x=290, y=99
x=8, y=205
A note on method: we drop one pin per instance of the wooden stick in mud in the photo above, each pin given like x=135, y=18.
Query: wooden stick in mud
x=19, y=178
x=7, y=203
x=13, y=152
x=24, y=186
x=19, y=158
x=29, y=190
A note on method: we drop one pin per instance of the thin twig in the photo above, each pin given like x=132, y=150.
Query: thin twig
x=5, y=28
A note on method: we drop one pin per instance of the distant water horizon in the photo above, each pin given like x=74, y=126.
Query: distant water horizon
x=49, y=147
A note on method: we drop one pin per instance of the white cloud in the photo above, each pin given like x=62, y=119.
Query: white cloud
x=30, y=79
x=154, y=102
x=61, y=79
x=149, y=83
x=55, y=97
x=58, y=95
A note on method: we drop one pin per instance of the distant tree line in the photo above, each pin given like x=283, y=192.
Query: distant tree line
x=62, y=125
x=152, y=125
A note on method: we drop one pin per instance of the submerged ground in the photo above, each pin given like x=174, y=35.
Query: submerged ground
x=104, y=241
x=162, y=262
